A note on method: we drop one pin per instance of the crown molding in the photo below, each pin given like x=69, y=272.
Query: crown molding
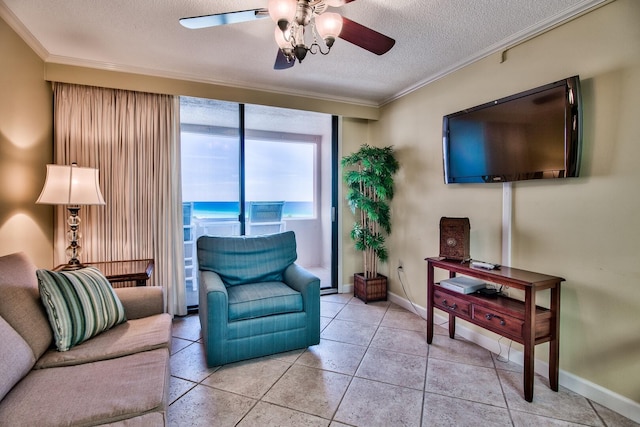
x=519, y=38
x=63, y=60
x=10, y=18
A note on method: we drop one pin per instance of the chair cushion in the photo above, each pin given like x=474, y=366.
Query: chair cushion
x=247, y=259
x=80, y=304
x=254, y=300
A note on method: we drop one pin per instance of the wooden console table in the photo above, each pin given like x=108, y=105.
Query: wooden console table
x=520, y=321
x=138, y=271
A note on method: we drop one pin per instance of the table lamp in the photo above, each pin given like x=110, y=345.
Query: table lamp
x=72, y=186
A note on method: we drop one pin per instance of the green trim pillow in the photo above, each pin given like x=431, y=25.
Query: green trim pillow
x=80, y=304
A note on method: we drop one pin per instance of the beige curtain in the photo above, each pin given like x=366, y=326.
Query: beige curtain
x=133, y=139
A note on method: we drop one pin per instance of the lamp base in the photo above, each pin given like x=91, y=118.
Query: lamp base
x=71, y=266
x=74, y=249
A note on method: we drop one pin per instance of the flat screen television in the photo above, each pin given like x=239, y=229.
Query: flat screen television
x=534, y=134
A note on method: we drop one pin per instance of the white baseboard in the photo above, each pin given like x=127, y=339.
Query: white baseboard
x=607, y=398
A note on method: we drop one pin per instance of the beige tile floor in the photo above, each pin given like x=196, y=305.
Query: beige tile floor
x=371, y=368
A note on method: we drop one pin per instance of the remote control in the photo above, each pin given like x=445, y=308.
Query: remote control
x=485, y=265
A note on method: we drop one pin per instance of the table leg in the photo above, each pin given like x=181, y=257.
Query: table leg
x=429, y=303
x=529, y=343
x=452, y=318
x=554, y=344
x=452, y=326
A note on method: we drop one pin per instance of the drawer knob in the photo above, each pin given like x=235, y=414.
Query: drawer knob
x=490, y=316
x=450, y=307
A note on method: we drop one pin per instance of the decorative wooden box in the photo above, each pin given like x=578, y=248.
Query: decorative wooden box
x=454, y=238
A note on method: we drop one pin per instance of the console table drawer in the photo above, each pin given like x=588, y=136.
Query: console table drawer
x=451, y=304
x=498, y=322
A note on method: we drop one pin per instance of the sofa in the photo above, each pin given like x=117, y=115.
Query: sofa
x=119, y=377
x=254, y=300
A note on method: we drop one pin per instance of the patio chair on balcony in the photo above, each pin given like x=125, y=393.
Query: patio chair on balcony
x=189, y=246
x=265, y=218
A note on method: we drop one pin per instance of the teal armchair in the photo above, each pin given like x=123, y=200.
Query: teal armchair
x=254, y=300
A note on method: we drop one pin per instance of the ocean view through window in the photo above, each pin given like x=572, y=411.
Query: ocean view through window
x=277, y=159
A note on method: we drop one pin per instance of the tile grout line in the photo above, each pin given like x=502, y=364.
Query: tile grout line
x=368, y=346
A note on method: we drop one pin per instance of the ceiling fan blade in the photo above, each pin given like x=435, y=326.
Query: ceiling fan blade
x=365, y=38
x=196, y=22
x=282, y=63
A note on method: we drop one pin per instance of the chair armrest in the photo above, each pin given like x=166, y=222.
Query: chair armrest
x=308, y=285
x=210, y=282
x=299, y=279
x=141, y=301
x=213, y=309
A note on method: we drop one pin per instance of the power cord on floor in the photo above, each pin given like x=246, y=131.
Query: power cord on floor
x=409, y=298
x=399, y=269
x=501, y=358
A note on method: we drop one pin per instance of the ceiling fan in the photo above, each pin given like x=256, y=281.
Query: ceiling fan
x=294, y=19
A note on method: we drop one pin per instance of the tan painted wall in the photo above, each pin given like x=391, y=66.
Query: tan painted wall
x=355, y=132
x=586, y=230
x=26, y=120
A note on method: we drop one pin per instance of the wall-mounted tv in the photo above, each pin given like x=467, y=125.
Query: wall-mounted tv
x=534, y=134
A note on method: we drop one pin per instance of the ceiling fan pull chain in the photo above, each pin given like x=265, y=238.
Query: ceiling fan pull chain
x=314, y=34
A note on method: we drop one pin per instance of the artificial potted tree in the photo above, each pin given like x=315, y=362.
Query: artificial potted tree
x=368, y=174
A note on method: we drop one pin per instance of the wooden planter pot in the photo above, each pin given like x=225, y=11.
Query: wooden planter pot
x=373, y=289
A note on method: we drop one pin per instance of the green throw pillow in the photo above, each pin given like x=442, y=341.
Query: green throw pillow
x=80, y=304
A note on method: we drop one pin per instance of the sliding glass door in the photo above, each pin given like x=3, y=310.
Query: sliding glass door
x=249, y=170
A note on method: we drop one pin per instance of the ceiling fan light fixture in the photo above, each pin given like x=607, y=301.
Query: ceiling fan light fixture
x=297, y=19
x=284, y=44
x=282, y=12
x=300, y=51
x=329, y=26
x=281, y=39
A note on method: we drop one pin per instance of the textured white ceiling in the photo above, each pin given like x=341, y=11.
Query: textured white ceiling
x=433, y=37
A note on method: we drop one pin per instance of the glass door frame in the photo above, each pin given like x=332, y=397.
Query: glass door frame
x=328, y=217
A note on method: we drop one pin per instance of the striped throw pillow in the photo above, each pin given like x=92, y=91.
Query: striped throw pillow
x=80, y=304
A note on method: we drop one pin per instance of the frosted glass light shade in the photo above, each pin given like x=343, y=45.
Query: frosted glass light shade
x=282, y=10
x=282, y=42
x=71, y=185
x=329, y=25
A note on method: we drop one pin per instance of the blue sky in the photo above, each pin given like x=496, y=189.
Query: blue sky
x=274, y=170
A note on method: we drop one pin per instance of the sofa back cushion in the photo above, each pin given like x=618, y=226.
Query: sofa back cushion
x=80, y=304
x=20, y=302
x=247, y=259
x=16, y=358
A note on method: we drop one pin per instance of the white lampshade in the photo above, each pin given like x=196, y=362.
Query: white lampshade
x=71, y=185
x=282, y=10
x=335, y=3
x=329, y=25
